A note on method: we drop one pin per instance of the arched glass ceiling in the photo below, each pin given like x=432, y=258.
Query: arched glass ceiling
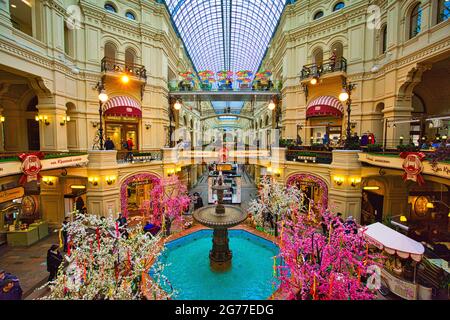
x=226, y=34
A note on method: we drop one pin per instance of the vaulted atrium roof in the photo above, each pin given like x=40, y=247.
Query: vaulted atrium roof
x=226, y=34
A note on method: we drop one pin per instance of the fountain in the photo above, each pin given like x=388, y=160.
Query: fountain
x=220, y=218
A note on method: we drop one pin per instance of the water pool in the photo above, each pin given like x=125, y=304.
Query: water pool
x=250, y=277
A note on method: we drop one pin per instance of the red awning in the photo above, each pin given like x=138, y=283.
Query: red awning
x=325, y=106
x=122, y=107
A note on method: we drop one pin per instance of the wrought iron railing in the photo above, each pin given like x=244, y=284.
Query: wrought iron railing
x=306, y=156
x=132, y=69
x=139, y=157
x=329, y=66
x=180, y=86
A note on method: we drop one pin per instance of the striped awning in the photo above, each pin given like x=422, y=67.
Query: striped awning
x=325, y=106
x=122, y=106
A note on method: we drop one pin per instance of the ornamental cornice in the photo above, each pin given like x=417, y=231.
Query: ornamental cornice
x=55, y=5
x=416, y=57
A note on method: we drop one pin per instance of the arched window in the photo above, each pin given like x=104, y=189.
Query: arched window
x=318, y=56
x=443, y=12
x=338, y=48
x=415, y=21
x=318, y=15
x=109, y=7
x=110, y=51
x=68, y=43
x=130, y=58
x=338, y=6
x=384, y=39
x=130, y=15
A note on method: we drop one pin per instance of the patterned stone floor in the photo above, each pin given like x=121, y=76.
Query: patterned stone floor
x=29, y=264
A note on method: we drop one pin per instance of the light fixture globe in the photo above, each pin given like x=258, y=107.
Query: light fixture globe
x=125, y=79
x=343, y=96
x=313, y=81
x=272, y=105
x=103, y=97
x=177, y=105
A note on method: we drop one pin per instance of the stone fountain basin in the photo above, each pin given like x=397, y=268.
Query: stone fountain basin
x=207, y=216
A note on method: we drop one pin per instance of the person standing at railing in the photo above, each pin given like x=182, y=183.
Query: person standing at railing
x=333, y=59
x=109, y=144
x=129, y=148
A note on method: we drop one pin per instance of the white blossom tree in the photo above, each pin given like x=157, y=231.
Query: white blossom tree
x=101, y=264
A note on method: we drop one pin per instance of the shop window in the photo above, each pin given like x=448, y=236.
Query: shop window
x=110, y=51
x=338, y=49
x=443, y=10
x=21, y=16
x=318, y=15
x=415, y=21
x=338, y=6
x=130, y=15
x=318, y=58
x=130, y=58
x=68, y=43
x=384, y=39
x=109, y=7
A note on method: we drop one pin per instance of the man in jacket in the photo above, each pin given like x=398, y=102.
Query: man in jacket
x=54, y=260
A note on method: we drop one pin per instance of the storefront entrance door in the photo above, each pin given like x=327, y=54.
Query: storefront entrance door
x=121, y=132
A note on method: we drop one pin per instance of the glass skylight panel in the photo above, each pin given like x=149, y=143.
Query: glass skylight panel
x=226, y=34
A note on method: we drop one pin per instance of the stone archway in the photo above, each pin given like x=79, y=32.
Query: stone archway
x=310, y=179
x=124, y=188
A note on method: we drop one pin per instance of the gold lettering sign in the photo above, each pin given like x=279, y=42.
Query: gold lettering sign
x=224, y=167
x=11, y=194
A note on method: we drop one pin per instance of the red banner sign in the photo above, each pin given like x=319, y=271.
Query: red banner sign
x=31, y=166
x=413, y=166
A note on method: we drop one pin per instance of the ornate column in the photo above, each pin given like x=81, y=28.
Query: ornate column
x=345, y=194
x=103, y=189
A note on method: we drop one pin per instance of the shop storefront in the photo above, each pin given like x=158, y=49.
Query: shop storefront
x=312, y=186
x=135, y=194
x=20, y=217
x=428, y=220
x=324, y=116
x=122, y=121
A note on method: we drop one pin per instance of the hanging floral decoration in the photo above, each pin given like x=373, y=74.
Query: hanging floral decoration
x=264, y=75
x=103, y=265
x=225, y=74
x=206, y=76
x=244, y=76
x=187, y=75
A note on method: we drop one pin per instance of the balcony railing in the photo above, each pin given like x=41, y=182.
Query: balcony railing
x=139, y=157
x=134, y=70
x=324, y=157
x=257, y=85
x=329, y=66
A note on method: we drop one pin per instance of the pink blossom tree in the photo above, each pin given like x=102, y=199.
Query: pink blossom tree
x=325, y=261
x=169, y=200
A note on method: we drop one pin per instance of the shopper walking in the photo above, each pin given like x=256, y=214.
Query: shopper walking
x=54, y=260
x=64, y=232
x=198, y=201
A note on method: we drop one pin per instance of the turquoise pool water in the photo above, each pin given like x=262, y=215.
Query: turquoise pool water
x=250, y=277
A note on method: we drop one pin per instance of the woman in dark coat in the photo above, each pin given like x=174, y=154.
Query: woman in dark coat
x=54, y=260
